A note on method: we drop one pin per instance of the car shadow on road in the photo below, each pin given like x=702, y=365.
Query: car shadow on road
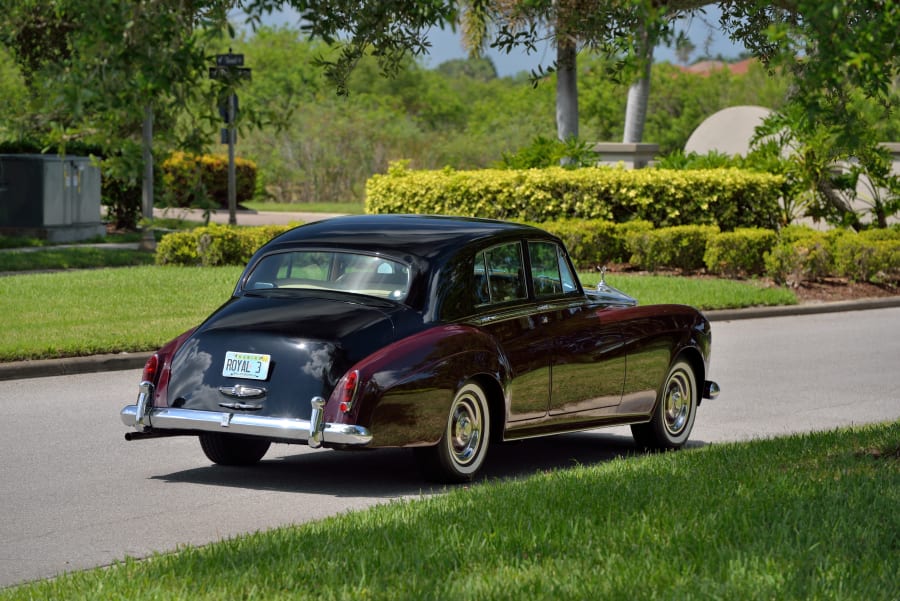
x=391, y=473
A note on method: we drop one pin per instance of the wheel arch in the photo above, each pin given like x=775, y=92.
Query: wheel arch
x=694, y=357
x=442, y=361
x=496, y=403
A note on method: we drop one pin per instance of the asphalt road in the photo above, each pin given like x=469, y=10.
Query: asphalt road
x=76, y=495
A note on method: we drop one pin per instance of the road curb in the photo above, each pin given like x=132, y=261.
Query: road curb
x=20, y=370
x=805, y=309
x=41, y=368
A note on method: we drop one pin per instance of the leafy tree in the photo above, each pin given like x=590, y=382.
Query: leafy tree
x=393, y=30
x=13, y=93
x=481, y=68
x=836, y=52
x=97, y=68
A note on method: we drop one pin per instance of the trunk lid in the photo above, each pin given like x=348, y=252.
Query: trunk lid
x=268, y=354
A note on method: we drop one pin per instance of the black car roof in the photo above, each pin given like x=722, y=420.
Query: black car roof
x=419, y=235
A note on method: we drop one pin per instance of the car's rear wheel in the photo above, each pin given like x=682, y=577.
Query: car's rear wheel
x=462, y=449
x=233, y=449
x=673, y=416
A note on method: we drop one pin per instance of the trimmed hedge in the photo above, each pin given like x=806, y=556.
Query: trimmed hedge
x=789, y=257
x=738, y=253
x=214, y=245
x=595, y=242
x=679, y=247
x=869, y=256
x=801, y=253
x=727, y=198
x=191, y=180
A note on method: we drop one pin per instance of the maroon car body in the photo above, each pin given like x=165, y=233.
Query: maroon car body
x=436, y=333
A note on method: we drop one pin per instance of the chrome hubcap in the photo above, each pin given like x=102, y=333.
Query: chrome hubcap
x=677, y=402
x=465, y=430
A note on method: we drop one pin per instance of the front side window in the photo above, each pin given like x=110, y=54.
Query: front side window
x=331, y=270
x=499, y=274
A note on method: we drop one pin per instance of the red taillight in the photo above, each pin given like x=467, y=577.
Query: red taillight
x=348, y=391
x=151, y=369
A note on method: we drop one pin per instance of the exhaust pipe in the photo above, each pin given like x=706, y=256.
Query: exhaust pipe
x=129, y=436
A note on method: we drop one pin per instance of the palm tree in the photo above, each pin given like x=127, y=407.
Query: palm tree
x=639, y=91
x=477, y=18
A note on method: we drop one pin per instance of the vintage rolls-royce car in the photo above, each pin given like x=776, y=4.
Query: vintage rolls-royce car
x=436, y=333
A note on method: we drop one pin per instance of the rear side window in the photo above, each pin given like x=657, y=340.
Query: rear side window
x=499, y=275
x=550, y=271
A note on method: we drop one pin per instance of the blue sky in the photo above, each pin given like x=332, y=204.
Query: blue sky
x=445, y=45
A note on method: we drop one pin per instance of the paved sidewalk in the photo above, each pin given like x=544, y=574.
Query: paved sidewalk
x=245, y=217
x=113, y=362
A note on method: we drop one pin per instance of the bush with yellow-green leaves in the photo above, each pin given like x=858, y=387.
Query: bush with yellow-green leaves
x=191, y=180
x=214, y=245
x=727, y=198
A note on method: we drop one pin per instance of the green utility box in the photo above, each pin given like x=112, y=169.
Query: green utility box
x=50, y=196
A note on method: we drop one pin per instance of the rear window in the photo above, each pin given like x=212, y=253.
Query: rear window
x=331, y=270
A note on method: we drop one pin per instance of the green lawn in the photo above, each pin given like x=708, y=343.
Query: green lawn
x=805, y=517
x=705, y=293
x=82, y=312
x=84, y=257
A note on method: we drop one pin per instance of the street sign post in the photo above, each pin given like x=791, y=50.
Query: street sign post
x=230, y=70
x=229, y=60
x=230, y=73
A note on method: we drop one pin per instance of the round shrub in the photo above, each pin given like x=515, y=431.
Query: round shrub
x=680, y=247
x=214, y=245
x=191, y=180
x=739, y=253
x=868, y=257
x=799, y=254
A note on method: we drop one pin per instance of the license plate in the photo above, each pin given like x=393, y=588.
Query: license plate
x=251, y=366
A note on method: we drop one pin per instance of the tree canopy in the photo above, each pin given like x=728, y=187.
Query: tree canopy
x=95, y=65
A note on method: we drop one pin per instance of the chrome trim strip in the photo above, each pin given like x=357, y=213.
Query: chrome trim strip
x=168, y=418
x=524, y=310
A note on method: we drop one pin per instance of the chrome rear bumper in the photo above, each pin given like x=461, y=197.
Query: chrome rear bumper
x=314, y=431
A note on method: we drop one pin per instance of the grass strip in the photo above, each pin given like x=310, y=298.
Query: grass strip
x=134, y=309
x=703, y=293
x=83, y=257
x=131, y=309
x=805, y=517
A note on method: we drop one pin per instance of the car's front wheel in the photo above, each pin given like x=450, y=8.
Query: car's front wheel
x=673, y=416
x=462, y=448
x=233, y=449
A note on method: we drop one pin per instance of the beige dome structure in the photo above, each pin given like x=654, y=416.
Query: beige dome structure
x=729, y=131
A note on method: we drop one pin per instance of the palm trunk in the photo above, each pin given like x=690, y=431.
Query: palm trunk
x=566, y=90
x=639, y=96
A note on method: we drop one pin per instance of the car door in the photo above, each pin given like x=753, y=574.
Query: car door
x=588, y=359
x=507, y=314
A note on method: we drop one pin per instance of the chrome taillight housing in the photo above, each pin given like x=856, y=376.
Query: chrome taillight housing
x=348, y=388
x=151, y=369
